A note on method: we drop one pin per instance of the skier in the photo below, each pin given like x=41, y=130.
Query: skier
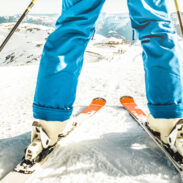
x=62, y=60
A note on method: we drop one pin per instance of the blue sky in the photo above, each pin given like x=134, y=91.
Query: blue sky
x=11, y=7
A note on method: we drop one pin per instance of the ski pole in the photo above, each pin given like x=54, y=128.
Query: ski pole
x=179, y=16
x=17, y=24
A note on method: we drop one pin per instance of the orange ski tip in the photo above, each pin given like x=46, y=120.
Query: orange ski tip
x=126, y=99
x=99, y=101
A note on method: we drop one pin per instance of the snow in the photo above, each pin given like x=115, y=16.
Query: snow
x=108, y=24
x=110, y=147
x=118, y=24
x=28, y=47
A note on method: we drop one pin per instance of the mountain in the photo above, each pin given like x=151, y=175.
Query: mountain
x=31, y=39
x=39, y=19
x=106, y=23
x=119, y=24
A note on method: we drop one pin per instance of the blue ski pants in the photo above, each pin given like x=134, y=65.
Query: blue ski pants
x=62, y=58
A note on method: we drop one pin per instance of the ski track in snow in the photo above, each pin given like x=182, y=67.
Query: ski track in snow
x=110, y=147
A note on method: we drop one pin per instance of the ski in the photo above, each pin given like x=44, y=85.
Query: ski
x=24, y=170
x=130, y=105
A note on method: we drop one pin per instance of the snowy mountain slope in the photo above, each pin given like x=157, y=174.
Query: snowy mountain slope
x=110, y=147
x=117, y=23
x=39, y=19
x=25, y=45
x=31, y=39
x=107, y=24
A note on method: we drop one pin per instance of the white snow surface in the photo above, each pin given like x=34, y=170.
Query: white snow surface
x=110, y=147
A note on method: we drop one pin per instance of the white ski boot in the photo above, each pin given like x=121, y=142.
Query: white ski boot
x=171, y=131
x=46, y=134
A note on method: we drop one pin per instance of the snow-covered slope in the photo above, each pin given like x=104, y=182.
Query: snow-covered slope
x=105, y=25
x=108, y=148
x=26, y=45
x=39, y=19
x=115, y=25
x=119, y=24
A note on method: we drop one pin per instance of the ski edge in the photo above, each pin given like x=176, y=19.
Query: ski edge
x=142, y=123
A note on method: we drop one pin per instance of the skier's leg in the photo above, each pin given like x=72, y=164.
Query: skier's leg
x=163, y=58
x=62, y=59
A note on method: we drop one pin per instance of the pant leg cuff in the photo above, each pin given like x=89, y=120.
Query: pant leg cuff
x=166, y=111
x=51, y=114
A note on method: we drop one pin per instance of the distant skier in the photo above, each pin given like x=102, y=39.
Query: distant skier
x=62, y=60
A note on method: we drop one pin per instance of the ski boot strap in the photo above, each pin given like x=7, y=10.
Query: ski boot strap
x=43, y=135
x=176, y=132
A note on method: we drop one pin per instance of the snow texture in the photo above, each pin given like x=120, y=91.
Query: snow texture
x=110, y=147
x=117, y=24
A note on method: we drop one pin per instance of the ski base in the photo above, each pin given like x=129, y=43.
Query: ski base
x=24, y=170
x=130, y=105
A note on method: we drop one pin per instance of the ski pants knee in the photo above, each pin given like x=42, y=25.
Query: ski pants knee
x=62, y=58
x=162, y=56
